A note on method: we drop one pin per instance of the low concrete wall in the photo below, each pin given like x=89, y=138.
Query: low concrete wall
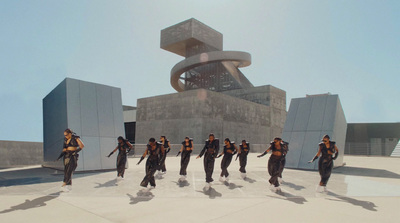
x=14, y=153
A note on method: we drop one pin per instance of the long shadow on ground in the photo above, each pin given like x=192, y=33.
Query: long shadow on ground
x=364, y=204
x=211, y=193
x=141, y=196
x=35, y=203
x=289, y=197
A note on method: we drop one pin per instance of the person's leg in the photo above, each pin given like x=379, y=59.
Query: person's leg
x=223, y=167
x=209, y=169
x=273, y=165
x=227, y=163
x=146, y=178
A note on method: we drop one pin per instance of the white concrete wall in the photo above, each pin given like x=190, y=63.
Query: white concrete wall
x=307, y=121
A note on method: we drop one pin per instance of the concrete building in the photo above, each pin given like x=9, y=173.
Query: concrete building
x=375, y=139
x=93, y=111
x=307, y=121
x=213, y=94
x=14, y=153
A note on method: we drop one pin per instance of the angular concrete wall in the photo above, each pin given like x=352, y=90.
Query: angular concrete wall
x=14, y=153
x=93, y=111
x=308, y=119
x=196, y=113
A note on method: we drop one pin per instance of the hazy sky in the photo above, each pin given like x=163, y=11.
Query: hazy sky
x=348, y=47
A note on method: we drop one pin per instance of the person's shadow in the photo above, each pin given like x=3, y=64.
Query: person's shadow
x=232, y=186
x=110, y=183
x=289, y=197
x=141, y=196
x=35, y=203
x=294, y=186
x=247, y=179
x=183, y=183
x=211, y=193
x=364, y=204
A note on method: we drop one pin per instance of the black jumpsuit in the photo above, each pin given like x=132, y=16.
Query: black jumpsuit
x=243, y=157
x=275, y=163
x=185, y=157
x=163, y=157
x=210, y=151
x=325, y=163
x=226, y=160
x=70, y=159
x=121, y=159
x=152, y=165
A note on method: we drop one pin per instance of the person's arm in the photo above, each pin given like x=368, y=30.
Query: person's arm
x=142, y=158
x=316, y=155
x=236, y=149
x=263, y=154
x=191, y=147
x=169, y=147
x=180, y=150
x=202, y=152
x=61, y=154
x=80, y=143
x=129, y=145
x=112, y=152
x=336, y=154
x=216, y=149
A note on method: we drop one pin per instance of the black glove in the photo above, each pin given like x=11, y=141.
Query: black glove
x=219, y=155
x=178, y=153
x=141, y=159
x=169, y=149
x=263, y=154
x=237, y=156
x=336, y=155
x=234, y=152
x=110, y=154
x=60, y=156
x=315, y=157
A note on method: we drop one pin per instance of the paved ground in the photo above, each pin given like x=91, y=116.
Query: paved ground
x=367, y=189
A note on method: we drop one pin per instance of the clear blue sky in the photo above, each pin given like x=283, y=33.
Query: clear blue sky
x=350, y=48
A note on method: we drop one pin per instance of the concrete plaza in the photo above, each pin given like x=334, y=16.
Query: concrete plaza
x=366, y=189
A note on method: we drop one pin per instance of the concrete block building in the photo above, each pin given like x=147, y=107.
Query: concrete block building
x=93, y=111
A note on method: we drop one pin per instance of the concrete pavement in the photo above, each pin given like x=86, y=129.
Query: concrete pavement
x=367, y=189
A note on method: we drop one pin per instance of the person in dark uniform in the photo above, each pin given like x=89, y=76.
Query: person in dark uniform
x=124, y=146
x=243, y=152
x=329, y=152
x=210, y=152
x=153, y=149
x=72, y=145
x=164, y=141
x=186, y=150
x=230, y=149
x=279, y=150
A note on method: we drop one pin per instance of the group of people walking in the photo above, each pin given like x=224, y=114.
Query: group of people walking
x=156, y=152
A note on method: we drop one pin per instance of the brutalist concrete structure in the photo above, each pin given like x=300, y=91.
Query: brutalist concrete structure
x=307, y=121
x=213, y=94
x=93, y=111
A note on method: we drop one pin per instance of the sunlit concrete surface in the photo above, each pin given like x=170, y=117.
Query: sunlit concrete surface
x=367, y=189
